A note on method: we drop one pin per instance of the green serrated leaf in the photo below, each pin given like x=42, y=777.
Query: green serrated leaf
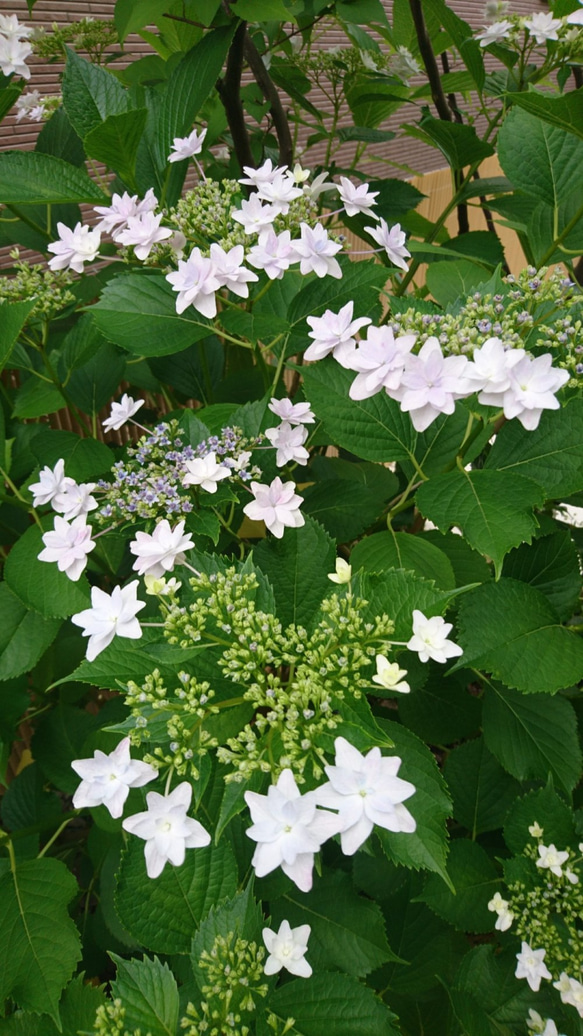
x=564, y=111
x=539, y=158
x=115, y=142
x=475, y=880
x=91, y=94
x=332, y=1003
x=332, y=504
x=39, y=584
x=511, y=630
x=543, y=807
x=24, y=635
x=443, y=710
x=240, y=915
x=58, y=740
x=12, y=318
x=551, y=565
x=92, y=384
x=29, y=177
x=385, y=550
x=398, y=593
x=482, y=792
x=149, y=993
x=297, y=567
x=84, y=458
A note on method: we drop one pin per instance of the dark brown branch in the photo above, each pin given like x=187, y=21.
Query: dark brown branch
x=462, y=209
x=270, y=92
x=229, y=90
x=426, y=51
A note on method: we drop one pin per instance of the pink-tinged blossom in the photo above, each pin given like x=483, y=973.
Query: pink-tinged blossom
x=52, y=481
x=263, y=174
x=531, y=966
x=13, y=55
x=334, y=333
x=74, y=247
x=380, y=361
x=316, y=252
x=575, y=18
x=357, y=200
x=106, y=779
x=494, y=33
x=68, y=545
x=143, y=232
x=166, y=829
x=111, y=615
x=289, y=441
x=533, y=382
x=489, y=369
x=429, y=638
x=392, y=240
x=273, y=253
x=293, y=413
x=289, y=829
x=196, y=282
x=277, y=505
x=366, y=791
x=253, y=216
x=73, y=499
x=114, y=217
x=287, y=948
x=205, y=472
x=229, y=270
x=121, y=412
x=430, y=384
x=187, y=147
x=30, y=106
x=543, y=26
x=279, y=192
x=158, y=552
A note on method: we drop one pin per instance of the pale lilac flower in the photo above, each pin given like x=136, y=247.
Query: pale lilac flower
x=494, y=33
x=288, y=829
x=121, y=412
x=205, y=472
x=403, y=65
x=166, y=829
x=342, y=573
x=73, y=499
x=263, y=174
x=68, y=545
x=315, y=251
x=293, y=413
x=380, y=360
x=489, y=369
x=390, y=675
x=575, y=18
x=279, y=192
x=30, y=106
x=533, y=382
x=543, y=26
x=429, y=638
x=273, y=253
x=366, y=791
x=287, y=948
x=52, y=481
x=501, y=908
x=74, y=247
x=143, y=232
x=12, y=29
x=393, y=242
x=13, y=55
x=187, y=147
x=196, y=282
x=289, y=441
x=531, y=966
x=551, y=858
x=277, y=505
x=107, y=779
x=111, y=615
x=357, y=200
x=254, y=216
x=114, y=217
x=334, y=333
x=571, y=991
x=229, y=271
x=159, y=552
x=430, y=384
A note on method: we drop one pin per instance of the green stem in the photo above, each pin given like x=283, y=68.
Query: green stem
x=558, y=240
x=54, y=837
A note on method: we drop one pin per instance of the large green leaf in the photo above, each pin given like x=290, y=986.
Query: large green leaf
x=164, y=914
x=30, y=177
x=360, y=282
x=532, y=736
x=39, y=584
x=443, y=710
x=482, y=792
x=448, y=281
x=398, y=593
x=489, y=977
x=539, y=158
x=12, y=318
x=375, y=429
x=92, y=384
x=458, y=142
x=35, y=921
x=59, y=739
x=551, y=454
x=24, y=635
x=297, y=567
x=138, y=312
x=492, y=508
x=76, y=1013
x=564, y=111
x=149, y=993
x=475, y=879
x=91, y=94
x=511, y=630
x=332, y=503
x=115, y=142
x=240, y=915
x=332, y=1003
x=551, y=564
x=84, y=458
x=384, y=550
x=544, y=807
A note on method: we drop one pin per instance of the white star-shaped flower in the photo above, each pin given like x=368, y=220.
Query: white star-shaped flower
x=571, y=991
x=380, y=360
x=205, y=472
x=334, y=333
x=293, y=413
x=277, y=505
x=316, y=252
x=288, y=829
x=494, y=33
x=159, y=552
x=343, y=573
x=429, y=638
x=74, y=247
x=533, y=382
x=111, y=615
x=52, y=481
x=289, y=441
x=505, y=915
x=121, y=412
x=13, y=55
x=73, y=500
x=187, y=147
x=531, y=966
x=11, y=28
x=390, y=675
x=430, y=384
x=287, y=948
x=280, y=191
x=107, y=779
x=392, y=240
x=196, y=282
x=543, y=26
x=143, y=232
x=265, y=173
x=273, y=253
x=166, y=829
x=253, y=216
x=68, y=545
x=357, y=200
x=551, y=858
x=366, y=791
x=229, y=270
